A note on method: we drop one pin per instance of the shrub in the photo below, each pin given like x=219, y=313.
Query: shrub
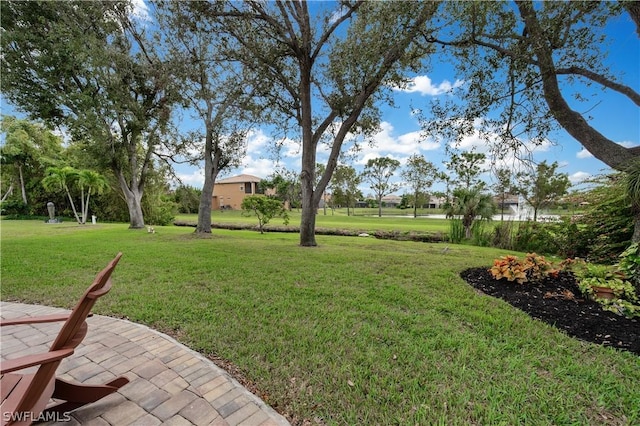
x=532, y=268
x=569, y=239
x=161, y=213
x=538, y=267
x=509, y=267
x=265, y=209
x=590, y=276
x=14, y=207
x=630, y=265
x=503, y=235
x=480, y=235
x=606, y=227
x=535, y=237
x=456, y=231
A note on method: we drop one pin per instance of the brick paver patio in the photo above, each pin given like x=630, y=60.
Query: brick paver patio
x=169, y=383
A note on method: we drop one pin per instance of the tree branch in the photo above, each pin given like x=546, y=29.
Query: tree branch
x=599, y=78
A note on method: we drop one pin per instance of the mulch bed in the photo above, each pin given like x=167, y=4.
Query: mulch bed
x=558, y=301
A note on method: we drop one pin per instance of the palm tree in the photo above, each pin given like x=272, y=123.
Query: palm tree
x=60, y=178
x=470, y=203
x=93, y=183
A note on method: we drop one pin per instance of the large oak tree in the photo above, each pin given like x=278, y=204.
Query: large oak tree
x=89, y=67
x=525, y=60
x=213, y=90
x=323, y=67
x=528, y=65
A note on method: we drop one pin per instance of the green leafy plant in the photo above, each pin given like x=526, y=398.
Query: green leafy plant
x=620, y=288
x=630, y=264
x=456, y=231
x=265, y=209
x=591, y=276
x=620, y=307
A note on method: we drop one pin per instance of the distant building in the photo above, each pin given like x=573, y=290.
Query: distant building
x=435, y=202
x=228, y=193
x=511, y=202
x=391, y=200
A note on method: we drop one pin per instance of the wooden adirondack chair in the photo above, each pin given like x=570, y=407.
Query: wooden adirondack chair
x=25, y=396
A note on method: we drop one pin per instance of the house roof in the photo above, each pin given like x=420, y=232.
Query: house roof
x=240, y=179
x=392, y=198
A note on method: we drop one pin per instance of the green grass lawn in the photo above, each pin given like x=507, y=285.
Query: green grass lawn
x=354, y=331
x=339, y=219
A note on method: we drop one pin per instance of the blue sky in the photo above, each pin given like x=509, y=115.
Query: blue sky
x=400, y=134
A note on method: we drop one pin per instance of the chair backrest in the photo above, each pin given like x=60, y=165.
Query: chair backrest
x=69, y=337
x=74, y=329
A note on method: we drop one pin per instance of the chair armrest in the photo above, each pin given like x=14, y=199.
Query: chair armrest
x=27, y=361
x=34, y=320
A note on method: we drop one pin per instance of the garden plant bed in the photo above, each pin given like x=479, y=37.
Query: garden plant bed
x=557, y=301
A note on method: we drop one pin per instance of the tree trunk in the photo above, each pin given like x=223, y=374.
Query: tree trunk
x=380, y=206
x=307, y=175
x=604, y=149
x=467, y=221
x=134, y=203
x=133, y=198
x=86, y=209
x=9, y=192
x=210, y=173
x=82, y=207
x=73, y=206
x=633, y=7
x=23, y=190
x=307, y=223
x=204, y=209
x=635, y=238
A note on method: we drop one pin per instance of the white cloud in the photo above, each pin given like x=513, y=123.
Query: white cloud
x=387, y=144
x=423, y=85
x=543, y=146
x=260, y=167
x=628, y=144
x=579, y=177
x=140, y=10
x=195, y=178
x=583, y=153
x=291, y=148
x=256, y=140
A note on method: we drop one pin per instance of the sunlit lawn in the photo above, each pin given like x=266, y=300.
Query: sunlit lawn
x=365, y=220
x=354, y=331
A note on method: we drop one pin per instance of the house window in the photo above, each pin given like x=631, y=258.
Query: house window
x=247, y=188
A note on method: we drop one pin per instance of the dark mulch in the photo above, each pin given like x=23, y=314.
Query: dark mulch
x=558, y=301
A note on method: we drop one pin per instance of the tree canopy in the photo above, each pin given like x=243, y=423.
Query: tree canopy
x=29, y=149
x=378, y=173
x=542, y=185
x=419, y=175
x=317, y=72
x=89, y=67
x=321, y=70
x=522, y=62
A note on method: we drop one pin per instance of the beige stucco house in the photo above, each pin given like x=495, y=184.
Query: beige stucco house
x=228, y=193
